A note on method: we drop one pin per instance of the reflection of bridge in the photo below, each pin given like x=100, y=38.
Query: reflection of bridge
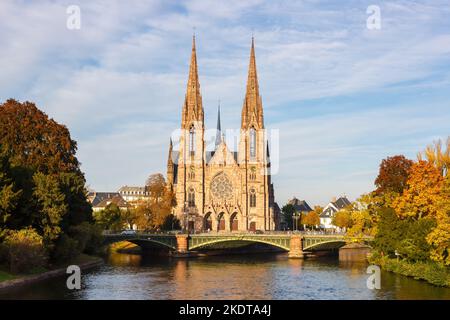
x=182, y=244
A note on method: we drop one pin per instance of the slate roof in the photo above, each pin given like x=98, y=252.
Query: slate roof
x=339, y=204
x=117, y=200
x=300, y=205
x=96, y=197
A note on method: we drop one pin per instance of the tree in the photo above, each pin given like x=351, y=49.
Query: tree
x=439, y=237
x=9, y=197
x=393, y=174
x=109, y=218
x=342, y=219
x=437, y=155
x=34, y=141
x=423, y=190
x=288, y=211
x=51, y=203
x=311, y=219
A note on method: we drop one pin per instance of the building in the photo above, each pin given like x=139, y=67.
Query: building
x=100, y=200
x=222, y=190
x=328, y=213
x=133, y=194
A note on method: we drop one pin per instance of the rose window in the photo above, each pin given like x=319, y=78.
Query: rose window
x=221, y=187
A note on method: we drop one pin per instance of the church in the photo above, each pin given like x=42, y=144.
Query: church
x=222, y=190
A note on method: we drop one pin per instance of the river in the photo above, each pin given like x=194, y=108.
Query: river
x=259, y=276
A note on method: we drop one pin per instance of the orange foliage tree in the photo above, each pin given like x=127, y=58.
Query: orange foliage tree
x=421, y=196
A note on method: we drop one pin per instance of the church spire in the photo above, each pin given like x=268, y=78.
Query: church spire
x=252, y=113
x=193, y=108
x=219, y=129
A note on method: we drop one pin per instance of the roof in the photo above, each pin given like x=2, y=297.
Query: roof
x=328, y=212
x=342, y=202
x=96, y=197
x=300, y=205
x=334, y=206
x=117, y=200
x=131, y=189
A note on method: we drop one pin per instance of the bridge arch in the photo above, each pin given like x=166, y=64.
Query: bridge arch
x=146, y=242
x=325, y=245
x=284, y=244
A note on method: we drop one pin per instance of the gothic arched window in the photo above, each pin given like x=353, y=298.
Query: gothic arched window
x=252, y=142
x=191, y=198
x=192, y=140
x=252, y=198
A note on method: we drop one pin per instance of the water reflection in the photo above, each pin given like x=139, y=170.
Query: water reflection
x=266, y=276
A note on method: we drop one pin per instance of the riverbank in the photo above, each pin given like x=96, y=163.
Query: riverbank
x=8, y=280
x=429, y=271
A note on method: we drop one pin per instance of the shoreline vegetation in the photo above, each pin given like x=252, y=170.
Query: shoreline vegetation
x=9, y=280
x=429, y=271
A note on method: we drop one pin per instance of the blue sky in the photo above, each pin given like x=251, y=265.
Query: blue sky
x=343, y=96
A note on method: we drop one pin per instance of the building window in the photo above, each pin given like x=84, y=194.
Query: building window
x=191, y=198
x=252, y=198
x=252, y=142
x=192, y=140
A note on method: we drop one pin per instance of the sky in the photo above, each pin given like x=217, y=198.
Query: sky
x=341, y=95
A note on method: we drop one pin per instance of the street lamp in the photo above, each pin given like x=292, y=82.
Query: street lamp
x=295, y=217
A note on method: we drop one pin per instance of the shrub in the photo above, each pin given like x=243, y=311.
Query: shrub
x=25, y=250
x=89, y=237
x=66, y=249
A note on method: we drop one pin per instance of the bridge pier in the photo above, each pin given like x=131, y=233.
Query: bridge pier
x=182, y=248
x=296, y=247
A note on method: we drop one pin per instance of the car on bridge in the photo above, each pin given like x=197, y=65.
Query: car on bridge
x=128, y=232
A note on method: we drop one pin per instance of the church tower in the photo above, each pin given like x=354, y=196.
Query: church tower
x=222, y=190
x=191, y=160
x=252, y=156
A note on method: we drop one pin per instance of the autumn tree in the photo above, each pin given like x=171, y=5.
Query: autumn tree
x=342, y=219
x=311, y=219
x=437, y=154
x=153, y=213
x=34, y=141
x=439, y=237
x=422, y=192
x=393, y=174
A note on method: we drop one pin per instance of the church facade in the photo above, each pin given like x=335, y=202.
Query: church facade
x=222, y=190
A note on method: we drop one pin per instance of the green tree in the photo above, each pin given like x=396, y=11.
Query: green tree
x=52, y=205
x=109, y=218
x=288, y=211
x=9, y=196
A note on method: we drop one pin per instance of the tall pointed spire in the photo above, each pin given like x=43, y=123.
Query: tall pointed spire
x=219, y=129
x=193, y=108
x=252, y=113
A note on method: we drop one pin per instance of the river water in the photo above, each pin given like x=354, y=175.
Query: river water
x=259, y=276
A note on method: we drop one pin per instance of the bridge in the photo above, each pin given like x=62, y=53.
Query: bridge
x=181, y=245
